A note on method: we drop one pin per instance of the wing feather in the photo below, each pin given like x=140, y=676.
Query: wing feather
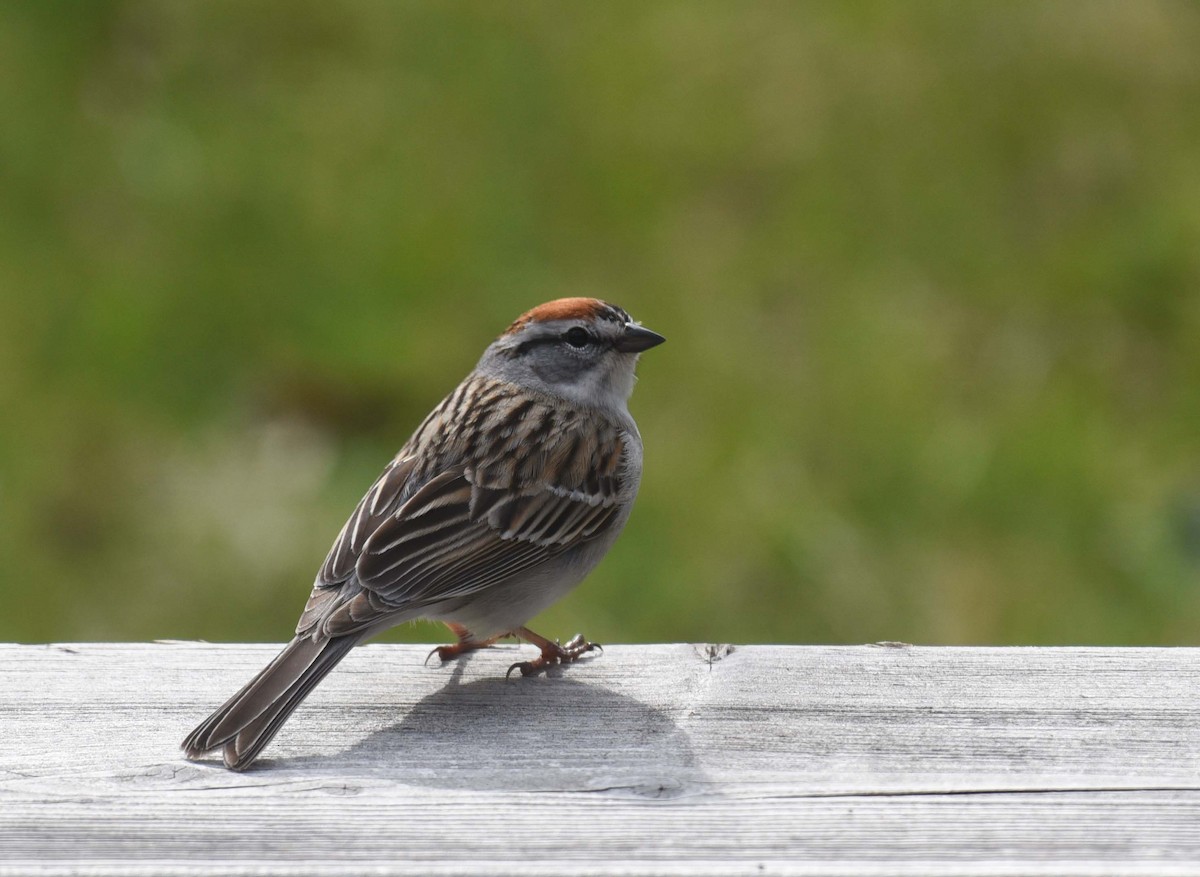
x=380, y=502
x=482, y=536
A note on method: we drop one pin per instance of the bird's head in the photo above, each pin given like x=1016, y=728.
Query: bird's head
x=581, y=349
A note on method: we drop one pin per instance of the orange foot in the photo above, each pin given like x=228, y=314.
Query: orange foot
x=457, y=650
x=552, y=652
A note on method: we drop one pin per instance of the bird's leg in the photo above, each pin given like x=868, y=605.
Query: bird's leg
x=552, y=652
x=465, y=644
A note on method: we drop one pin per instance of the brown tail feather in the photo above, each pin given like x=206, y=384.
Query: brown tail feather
x=246, y=722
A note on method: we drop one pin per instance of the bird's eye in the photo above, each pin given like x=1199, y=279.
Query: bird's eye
x=577, y=337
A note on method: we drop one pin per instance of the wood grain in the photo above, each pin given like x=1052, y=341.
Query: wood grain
x=655, y=759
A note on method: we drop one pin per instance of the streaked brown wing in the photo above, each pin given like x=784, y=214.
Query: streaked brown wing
x=453, y=538
x=381, y=502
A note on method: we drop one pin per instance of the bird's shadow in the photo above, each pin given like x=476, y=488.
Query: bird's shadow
x=520, y=734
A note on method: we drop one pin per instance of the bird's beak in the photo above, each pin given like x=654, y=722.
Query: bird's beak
x=637, y=338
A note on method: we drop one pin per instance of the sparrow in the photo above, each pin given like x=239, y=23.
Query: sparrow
x=507, y=495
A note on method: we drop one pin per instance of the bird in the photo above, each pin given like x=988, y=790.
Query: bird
x=504, y=499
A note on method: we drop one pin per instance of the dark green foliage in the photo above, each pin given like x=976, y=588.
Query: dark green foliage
x=930, y=275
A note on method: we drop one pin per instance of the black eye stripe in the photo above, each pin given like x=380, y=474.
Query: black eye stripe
x=585, y=337
x=526, y=346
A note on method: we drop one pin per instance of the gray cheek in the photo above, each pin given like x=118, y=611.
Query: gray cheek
x=593, y=387
x=580, y=380
x=560, y=369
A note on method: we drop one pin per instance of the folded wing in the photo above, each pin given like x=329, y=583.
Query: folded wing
x=461, y=532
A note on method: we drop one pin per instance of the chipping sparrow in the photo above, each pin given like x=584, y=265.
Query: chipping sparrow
x=503, y=500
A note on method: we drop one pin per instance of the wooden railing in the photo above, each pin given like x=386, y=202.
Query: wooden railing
x=650, y=759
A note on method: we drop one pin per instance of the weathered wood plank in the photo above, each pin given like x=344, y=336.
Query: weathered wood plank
x=649, y=759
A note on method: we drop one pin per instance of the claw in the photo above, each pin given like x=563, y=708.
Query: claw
x=526, y=667
x=552, y=652
x=577, y=645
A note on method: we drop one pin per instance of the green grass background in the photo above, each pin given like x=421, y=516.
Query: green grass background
x=930, y=275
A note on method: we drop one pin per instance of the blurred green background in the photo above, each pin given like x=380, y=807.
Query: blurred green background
x=930, y=275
